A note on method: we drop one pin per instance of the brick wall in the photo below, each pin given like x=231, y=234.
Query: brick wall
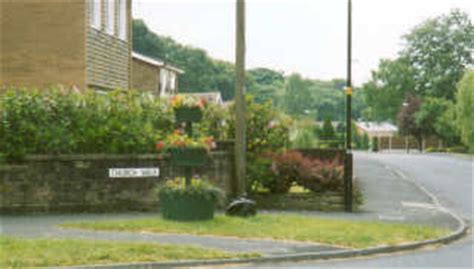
x=81, y=182
x=42, y=43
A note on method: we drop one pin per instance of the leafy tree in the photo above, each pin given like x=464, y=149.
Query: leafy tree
x=430, y=111
x=406, y=119
x=265, y=76
x=465, y=109
x=297, y=95
x=327, y=132
x=445, y=126
x=365, y=142
x=386, y=91
x=202, y=74
x=439, y=51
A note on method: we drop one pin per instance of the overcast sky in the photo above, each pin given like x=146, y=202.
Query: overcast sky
x=305, y=36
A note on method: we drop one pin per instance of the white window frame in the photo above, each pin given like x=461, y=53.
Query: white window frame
x=122, y=19
x=95, y=10
x=163, y=82
x=110, y=17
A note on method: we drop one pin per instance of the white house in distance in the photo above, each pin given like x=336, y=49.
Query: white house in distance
x=377, y=129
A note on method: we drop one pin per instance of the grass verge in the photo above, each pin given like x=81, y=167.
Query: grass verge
x=21, y=253
x=354, y=234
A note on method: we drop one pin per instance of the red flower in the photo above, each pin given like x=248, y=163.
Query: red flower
x=160, y=145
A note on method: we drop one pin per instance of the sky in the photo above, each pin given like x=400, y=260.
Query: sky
x=304, y=36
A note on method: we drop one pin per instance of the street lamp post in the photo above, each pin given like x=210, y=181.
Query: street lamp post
x=348, y=158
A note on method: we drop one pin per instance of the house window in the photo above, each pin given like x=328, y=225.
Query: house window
x=110, y=25
x=94, y=13
x=163, y=82
x=122, y=19
x=172, y=82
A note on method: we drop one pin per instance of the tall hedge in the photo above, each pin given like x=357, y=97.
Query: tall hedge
x=58, y=121
x=465, y=109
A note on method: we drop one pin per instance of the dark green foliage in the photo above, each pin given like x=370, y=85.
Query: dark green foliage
x=267, y=129
x=465, y=109
x=328, y=137
x=202, y=74
x=440, y=50
x=375, y=144
x=63, y=121
x=365, y=142
x=187, y=156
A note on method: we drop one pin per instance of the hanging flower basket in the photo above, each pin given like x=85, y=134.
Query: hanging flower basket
x=184, y=156
x=188, y=114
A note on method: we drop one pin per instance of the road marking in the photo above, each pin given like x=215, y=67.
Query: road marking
x=391, y=217
x=420, y=205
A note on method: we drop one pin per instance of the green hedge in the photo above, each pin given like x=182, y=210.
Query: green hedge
x=58, y=121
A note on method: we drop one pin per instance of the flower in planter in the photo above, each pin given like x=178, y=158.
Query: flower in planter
x=188, y=108
x=194, y=202
x=180, y=140
x=180, y=101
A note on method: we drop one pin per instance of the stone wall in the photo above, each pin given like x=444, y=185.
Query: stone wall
x=81, y=182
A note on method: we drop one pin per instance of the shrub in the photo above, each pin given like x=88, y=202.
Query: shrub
x=278, y=172
x=267, y=129
x=321, y=176
x=259, y=173
x=286, y=168
x=375, y=144
x=457, y=149
x=58, y=121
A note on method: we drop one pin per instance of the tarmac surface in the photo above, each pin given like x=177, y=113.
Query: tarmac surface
x=389, y=194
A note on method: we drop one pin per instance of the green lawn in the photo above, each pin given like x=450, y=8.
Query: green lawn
x=355, y=234
x=21, y=253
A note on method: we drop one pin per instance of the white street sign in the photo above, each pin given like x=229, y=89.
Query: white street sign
x=133, y=172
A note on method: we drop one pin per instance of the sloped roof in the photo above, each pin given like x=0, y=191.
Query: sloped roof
x=155, y=62
x=377, y=127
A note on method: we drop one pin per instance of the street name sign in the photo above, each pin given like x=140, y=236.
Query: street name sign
x=133, y=172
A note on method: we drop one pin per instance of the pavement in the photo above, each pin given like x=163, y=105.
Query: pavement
x=389, y=196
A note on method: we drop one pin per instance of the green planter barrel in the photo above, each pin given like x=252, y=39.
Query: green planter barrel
x=186, y=207
x=188, y=156
x=188, y=114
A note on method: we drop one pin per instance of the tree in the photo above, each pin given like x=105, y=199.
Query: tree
x=265, y=76
x=327, y=132
x=297, y=96
x=446, y=128
x=429, y=113
x=386, y=91
x=465, y=109
x=406, y=119
x=439, y=51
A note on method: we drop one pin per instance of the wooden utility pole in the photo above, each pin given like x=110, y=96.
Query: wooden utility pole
x=348, y=159
x=240, y=118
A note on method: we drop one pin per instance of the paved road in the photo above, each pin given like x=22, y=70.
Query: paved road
x=449, y=178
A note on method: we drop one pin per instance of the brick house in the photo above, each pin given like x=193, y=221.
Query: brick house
x=74, y=43
x=153, y=75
